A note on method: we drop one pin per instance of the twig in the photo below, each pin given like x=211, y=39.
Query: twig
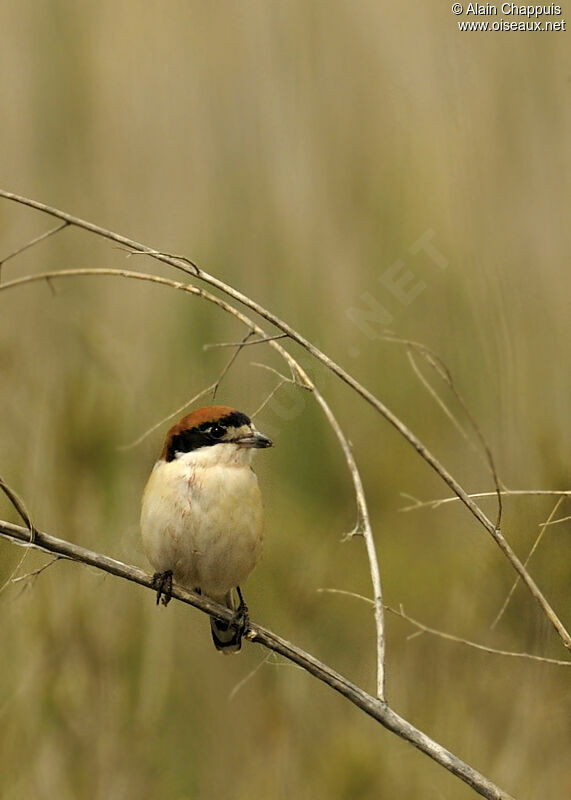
x=526, y=562
x=248, y=677
x=161, y=422
x=440, y=403
x=548, y=610
x=36, y=572
x=422, y=628
x=283, y=380
x=244, y=342
x=372, y=706
x=232, y=359
x=363, y=519
x=33, y=242
x=418, y=504
x=19, y=505
x=437, y=364
x=293, y=379
x=556, y=521
x=493, y=650
x=24, y=514
x=213, y=387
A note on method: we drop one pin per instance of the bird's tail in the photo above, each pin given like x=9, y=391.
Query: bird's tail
x=227, y=636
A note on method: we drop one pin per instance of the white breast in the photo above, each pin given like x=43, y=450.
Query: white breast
x=201, y=517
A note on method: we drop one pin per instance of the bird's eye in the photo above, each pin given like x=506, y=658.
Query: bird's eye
x=217, y=431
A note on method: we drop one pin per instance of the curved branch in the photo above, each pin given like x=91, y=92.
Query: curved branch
x=186, y=265
x=363, y=524
x=372, y=706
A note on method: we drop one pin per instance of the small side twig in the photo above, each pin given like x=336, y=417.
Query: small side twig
x=213, y=387
x=557, y=521
x=19, y=505
x=162, y=421
x=422, y=628
x=32, y=243
x=34, y=574
x=231, y=360
x=438, y=365
x=515, y=584
x=245, y=342
x=24, y=514
x=442, y=501
x=283, y=381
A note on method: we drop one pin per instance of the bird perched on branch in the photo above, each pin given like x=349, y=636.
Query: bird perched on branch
x=202, y=517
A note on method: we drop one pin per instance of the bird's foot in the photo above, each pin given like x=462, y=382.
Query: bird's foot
x=240, y=622
x=227, y=636
x=241, y=619
x=162, y=583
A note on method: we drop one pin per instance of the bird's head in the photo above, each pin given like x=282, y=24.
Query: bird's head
x=212, y=427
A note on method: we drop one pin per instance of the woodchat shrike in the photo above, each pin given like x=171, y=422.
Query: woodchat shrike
x=202, y=516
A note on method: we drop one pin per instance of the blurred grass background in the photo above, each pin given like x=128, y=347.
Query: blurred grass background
x=298, y=151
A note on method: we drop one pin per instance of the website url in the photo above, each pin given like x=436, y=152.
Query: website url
x=512, y=25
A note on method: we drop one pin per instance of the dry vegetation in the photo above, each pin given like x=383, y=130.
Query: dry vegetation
x=297, y=151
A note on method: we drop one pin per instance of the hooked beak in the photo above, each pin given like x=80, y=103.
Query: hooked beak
x=254, y=439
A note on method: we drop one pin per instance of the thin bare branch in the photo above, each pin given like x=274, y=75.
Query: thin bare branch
x=162, y=421
x=213, y=387
x=363, y=521
x=548, y=610
x=459, y=640
x=441, y=404
x=135, y=249
x=526, y=562
x=433, y=504
x=282, y=382
x=42, y=237
x=272, y=394
x=24, y=514
x=422, y=628
x=294, y=379
x=18, y=504
x=438, y=365
x=232, y=359
x=271, y=658
x=34, y=574
x=244, y=342
x=246, y=679
x=372, y=706
x=556, y=521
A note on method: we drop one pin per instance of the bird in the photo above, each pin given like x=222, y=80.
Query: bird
x=202, y=515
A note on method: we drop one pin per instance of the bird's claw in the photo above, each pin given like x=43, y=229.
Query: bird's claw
x=162, y=583
x=241, y=620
